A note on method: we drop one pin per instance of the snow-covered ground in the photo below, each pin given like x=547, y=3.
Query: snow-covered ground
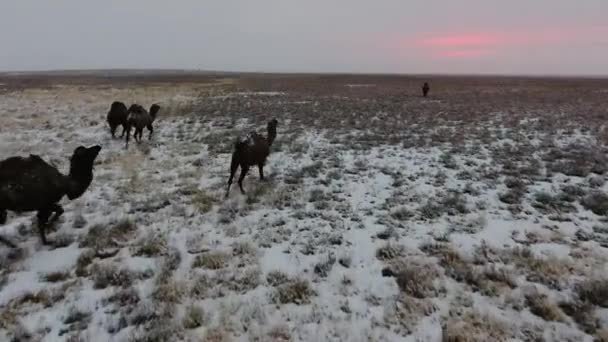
x=345, y=241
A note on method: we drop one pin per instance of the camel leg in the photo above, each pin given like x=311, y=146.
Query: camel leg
x=244, y=171
x=58, y=210
x=113, y=130
x=43, y=218
x=124, y=129
x=261, y=169
x=151, y=129
x=128, y=134
x=234, y=165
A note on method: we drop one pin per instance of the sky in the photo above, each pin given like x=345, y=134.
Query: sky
x=528, y=37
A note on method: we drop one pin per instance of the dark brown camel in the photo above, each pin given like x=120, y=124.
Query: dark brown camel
x=425, y=89
x=139, y=118
x=31, y=184
x=252, y=150
x=117, y=116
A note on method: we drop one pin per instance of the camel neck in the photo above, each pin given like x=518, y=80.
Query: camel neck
x=78, y=181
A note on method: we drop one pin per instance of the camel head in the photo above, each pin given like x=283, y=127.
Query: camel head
x=154, y=110
x=83, y=158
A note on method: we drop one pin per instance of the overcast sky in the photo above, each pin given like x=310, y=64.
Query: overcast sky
x=431, y=36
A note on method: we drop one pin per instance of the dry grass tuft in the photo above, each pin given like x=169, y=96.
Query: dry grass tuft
x=211, y=260
x=594, y=291
x=295, y=291
x=100, y=237
x=194, y=317
x=390, y=251
x=542, y=307
x=54, y=277
x=473, y=326
x=417, y=280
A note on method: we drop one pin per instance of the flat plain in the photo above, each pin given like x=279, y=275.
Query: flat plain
x=478, y=213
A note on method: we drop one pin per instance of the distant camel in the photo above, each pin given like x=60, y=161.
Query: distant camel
x=31, y=184
x=252, y=150
x=425, y=89
x=117, y=116
x=139, y=118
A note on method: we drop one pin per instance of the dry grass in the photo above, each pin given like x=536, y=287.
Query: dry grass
x=100, y=237
x=194, y=317
x=407, y=311
x=417, y=280
x=390, y=251
x=541, y=306
x=594, y=291
x=296, y=291
x=550, y=271
x=211, y=260
x=473, y=326
x=54, y=277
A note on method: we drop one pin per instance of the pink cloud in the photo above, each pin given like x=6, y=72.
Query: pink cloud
x=459, y=40
x=478, y=44
x=463, y=53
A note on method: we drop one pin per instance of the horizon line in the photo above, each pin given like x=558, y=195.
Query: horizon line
x=336, y=73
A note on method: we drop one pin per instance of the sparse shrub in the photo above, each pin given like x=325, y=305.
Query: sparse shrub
x=515, y=183
x=110, y=275
x=402, y=214
x=84, y=260
x=474, y=326
x=281, y=333
x=596, y=182
x=53, y=277
x=317, y=195
x=582, y=313
x=276, y=278
x=546, y=202
x=258, y=192
x=168, y=291
x=76, y=315
x=201, y=287
x=551, y=272
x=202, y=201
x=448, y=161
x=541, y=306
x=100, y=237
x=430, y=211
x=513, y=196
x=454, y=203
x=594, y=291
x=295, y=291
x=597, y=202
x=407, y=311
x=386, y=234
x=211, y=260
x=152, y=245
x=228, y=212
x=194, y=317
x=123, y=297
x=416, y=280
x=323, y=268
x=389, y=251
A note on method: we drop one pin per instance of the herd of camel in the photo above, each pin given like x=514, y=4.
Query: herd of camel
x=31, y=184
